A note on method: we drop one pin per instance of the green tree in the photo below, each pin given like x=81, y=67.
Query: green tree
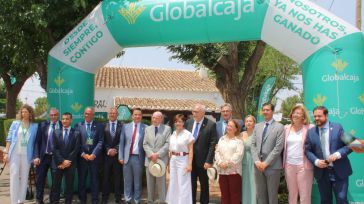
x=41, y=106
x=288, y=104
x=239, y=69
x=28, y=30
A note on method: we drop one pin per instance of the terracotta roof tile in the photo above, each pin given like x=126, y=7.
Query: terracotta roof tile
x=153, y=79
x=164, y=104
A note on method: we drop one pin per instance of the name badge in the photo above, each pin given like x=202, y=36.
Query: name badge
x=90, y=141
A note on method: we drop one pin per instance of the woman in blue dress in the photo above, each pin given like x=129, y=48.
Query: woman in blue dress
x=248, y=187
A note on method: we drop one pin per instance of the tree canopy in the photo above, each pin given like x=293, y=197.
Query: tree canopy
x=239, y=69
x=28, y=30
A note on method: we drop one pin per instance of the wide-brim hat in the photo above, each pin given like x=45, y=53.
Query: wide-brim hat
x=212, y=174
x=158, y=168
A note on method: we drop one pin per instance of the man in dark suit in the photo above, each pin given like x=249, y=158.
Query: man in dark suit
x=226, y=115
x=266, y=149
x=204, y=132
x=92, y=138
x=66, y=143
x=112, y=131
x=132, y=155
x=43, y=151
x=325, y=149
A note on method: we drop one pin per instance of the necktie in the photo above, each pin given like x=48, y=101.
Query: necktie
x=133, y=138
x=225, y=124
x=88, y=129
x=113, y=130
x=49, y=140
x=323, y=142
x=265, y=132
x=156, y=131
x=65, y=136
x=195, y=132
x=263, y=138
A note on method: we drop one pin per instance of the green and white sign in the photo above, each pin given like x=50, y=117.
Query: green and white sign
x=124, y=112
x=265, y=96
x=330, y=50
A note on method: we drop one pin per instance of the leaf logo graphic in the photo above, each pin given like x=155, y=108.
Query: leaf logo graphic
x=76, y=107
x=59, y=81
x=361, y=98
x=339, y=65
x=319, y=100
x=131, y=13
x=352, y=131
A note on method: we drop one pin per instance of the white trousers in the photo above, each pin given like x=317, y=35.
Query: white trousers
x=180, y=189
x=19, y=172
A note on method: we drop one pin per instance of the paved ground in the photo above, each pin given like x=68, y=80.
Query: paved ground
x=5, y=193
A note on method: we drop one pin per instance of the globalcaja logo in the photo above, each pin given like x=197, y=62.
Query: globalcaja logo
x=76, y=107
x=319, y=100
x=361, y=98
x=340, y=65
x=59, y=81
x=131, y=11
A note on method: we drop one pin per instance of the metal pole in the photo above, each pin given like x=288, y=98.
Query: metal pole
x=358, y=14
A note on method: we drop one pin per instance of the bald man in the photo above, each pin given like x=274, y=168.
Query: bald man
x=156, y=145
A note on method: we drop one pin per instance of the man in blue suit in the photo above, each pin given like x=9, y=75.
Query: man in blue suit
x=324, y=148
x=66, y=149
x=43, y=151
x=132, y=156
x=91, y=142
x=226, y=115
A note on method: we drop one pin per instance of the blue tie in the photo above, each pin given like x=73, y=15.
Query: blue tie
x=156, y=131
x=66, y=136
x=195, y=132
x=88, y=129
x=50, y=141
x=113, y=129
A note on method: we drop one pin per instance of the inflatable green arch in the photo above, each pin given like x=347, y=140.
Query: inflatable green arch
x=330, y=50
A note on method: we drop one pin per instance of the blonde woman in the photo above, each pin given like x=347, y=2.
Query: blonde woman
x=228, y=158
x=248, y=186
x=19, y=152
x=298, y=169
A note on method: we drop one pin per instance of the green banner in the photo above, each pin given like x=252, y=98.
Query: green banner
x=265, y=96
x=66, y=88
x=334, y=77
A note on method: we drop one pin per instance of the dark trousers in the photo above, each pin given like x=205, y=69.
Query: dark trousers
x=201, y=174
x=331, y=182
x=41, y=174
x=230, y=187
x=114, y=168
x=69, y=174
x=84, y=168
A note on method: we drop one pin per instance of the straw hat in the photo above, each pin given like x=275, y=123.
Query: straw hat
x=158, y=168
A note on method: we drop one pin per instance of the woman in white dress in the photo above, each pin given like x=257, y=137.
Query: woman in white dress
x=181, y=155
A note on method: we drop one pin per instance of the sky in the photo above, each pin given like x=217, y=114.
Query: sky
x=158, y=57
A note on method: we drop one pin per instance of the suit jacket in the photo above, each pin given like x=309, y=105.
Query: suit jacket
x=204, y=146
x=272, y=145
x=156, y=143
x=97, y=133
x=63, y=151
x=313, y=150
x=42, y=138
x=13, y=137
x=306, y=163
x=109, y=141
x=126, y=137
x=219, y=124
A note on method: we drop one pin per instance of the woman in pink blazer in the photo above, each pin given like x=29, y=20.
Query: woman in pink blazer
x=298, y=169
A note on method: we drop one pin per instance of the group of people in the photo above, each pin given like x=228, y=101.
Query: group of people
x=247, y=157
